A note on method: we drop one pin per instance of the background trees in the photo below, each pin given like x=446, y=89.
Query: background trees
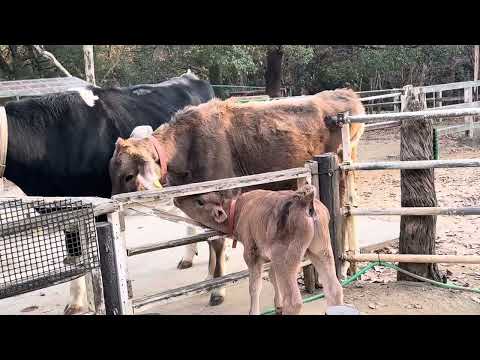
x=304, y=68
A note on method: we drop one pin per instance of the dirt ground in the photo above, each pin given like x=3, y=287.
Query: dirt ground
x=376, y=292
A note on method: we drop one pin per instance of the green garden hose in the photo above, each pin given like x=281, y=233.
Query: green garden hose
x=362, y=271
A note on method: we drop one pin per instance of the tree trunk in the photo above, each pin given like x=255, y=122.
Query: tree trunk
x=273, y=73
x=417, y=233
x=89, y=64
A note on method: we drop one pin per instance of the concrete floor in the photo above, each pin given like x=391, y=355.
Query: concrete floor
x=156, y=272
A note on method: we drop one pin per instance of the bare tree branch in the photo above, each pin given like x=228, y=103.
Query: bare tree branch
x=51, y=57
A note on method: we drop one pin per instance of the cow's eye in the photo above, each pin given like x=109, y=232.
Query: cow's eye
x=199, y=202
x=128, y=178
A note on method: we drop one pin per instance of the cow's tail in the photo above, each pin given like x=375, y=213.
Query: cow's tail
x=301, y=199
x=305, y=195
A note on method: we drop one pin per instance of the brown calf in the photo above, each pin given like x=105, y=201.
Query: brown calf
x=281, y=227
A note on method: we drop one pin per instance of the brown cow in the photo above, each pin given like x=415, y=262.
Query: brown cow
x=224, y=139
x=281, y=227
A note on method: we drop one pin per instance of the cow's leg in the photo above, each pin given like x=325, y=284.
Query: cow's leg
x=187, y=260
x=228, y=248
x=218, y=295
x=255, y=268
x=78, y=297
x=212, y=261
x=325, y=265
x=278, y=295
x=78, y=290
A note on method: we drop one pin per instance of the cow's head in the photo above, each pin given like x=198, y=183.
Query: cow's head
x=134, y=166
x=210, y=209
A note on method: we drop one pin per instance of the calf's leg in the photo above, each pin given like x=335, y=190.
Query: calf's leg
x=255, y=268
x=292, y=300
x=286, y=277
x=325, y=266
x=278, y=296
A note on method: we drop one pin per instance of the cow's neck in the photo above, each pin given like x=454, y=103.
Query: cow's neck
x=166, y=135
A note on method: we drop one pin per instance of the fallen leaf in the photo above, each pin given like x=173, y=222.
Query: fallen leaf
x=476, y=299
x=449, y=272
x=372, y=306
x=417, y=306
x=30, y=308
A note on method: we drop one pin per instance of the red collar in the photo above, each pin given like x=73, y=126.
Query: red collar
x=162, y=157
x=231, y=221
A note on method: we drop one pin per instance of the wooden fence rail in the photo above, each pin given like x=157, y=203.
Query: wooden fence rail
x=414, y=115
x=411, y=165
x=414, y=211
x=210, y=186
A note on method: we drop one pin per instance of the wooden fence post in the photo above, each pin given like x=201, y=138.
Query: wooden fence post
x=396, y=106
x=110, y=277
x=468, y=98
x=93, y=278
x=417, y=233
x=119, y=248
x=349, y=199
x=329, y=194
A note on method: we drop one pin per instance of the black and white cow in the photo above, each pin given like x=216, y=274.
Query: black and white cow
x=60, y=144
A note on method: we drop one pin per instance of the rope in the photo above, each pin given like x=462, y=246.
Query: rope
x=362, y=271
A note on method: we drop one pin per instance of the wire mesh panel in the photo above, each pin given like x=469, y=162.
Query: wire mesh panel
x=44, y=244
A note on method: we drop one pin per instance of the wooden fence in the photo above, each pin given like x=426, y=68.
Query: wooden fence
x=463, y=94
x=348, y=240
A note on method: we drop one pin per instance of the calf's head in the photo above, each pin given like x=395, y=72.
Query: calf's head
x=211, y=209
x=134, y=166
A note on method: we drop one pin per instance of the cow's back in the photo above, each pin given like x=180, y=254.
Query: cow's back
x=59, y=145
x=284, y=134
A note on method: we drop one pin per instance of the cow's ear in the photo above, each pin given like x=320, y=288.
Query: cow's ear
x=120, y=143
x=219, y=215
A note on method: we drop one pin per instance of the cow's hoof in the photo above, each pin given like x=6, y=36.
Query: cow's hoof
x=183, y=264
x=72, y=309
x=216, y=299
